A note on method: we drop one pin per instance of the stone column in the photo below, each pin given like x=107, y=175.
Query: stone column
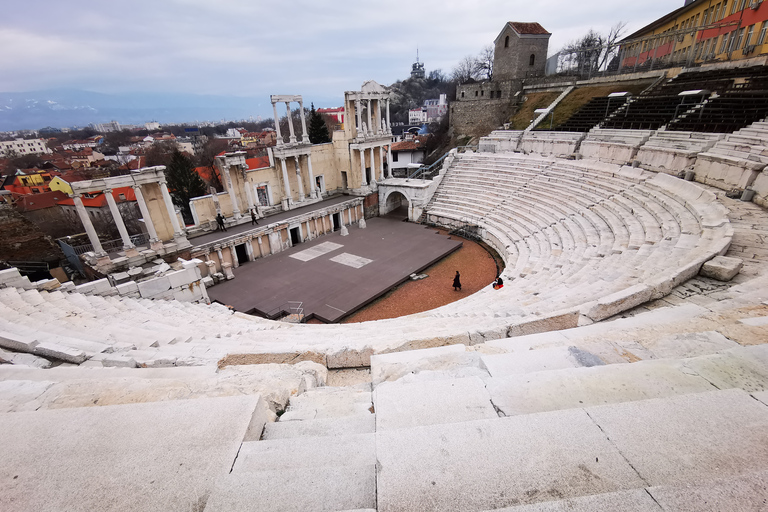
x=233, y=255
x=370, y=128
x=360, y=217
x=381, y=162
x=304, y=134
x=248, y=192
x=88, y=225
x=389, y=160
x=362, y=168
x=298, y=178
x=171, y=210
x=344, y=230
x=286, y=185
x=255, y=193
x=312, y=185
x=373, y=169
x=280, y=141
x=231, y=190
x=389, y=127
x=261, y=248
x=359, y=115
x=145, y=214
x=124, y=236
x=221, y=258
x=249, y=248
x=290, y=122
x=309, y=231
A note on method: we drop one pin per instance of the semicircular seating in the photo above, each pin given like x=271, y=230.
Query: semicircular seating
x=581, y=240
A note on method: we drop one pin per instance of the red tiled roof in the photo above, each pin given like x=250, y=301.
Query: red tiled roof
x=100, y=200
x=258, y=162
x=30, y=202
x=528, y=28
x=206, y=173
x=409, y=145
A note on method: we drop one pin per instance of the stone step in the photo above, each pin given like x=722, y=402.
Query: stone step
x=329, y=402
x=296, y=490
x=571, y=453
x=582, y=387
x=401, y=405
x=306, y=452
x=633, y=500
x=345, y=425
x=171, y=453
x=523, y=362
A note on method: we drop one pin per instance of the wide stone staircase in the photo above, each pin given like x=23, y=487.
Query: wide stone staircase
x=580, y=419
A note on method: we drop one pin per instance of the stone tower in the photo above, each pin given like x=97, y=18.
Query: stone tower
x=520, y=51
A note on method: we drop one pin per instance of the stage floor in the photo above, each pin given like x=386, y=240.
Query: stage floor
x=335, y=275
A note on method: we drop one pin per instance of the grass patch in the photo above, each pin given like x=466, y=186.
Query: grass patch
x=534, y=100
x=581, y=96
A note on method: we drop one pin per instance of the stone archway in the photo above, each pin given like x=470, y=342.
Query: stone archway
x=397, y=203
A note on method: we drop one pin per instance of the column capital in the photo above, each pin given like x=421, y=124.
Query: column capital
x=107, y=191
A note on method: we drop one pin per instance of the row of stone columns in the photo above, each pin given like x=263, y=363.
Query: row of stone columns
x=304, y=135
x=369, y=131
x=297, y=166
x=320, y=229
x=128, y=246
x=364, y=179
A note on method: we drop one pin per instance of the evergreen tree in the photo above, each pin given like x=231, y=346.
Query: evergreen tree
x=318, y=131
x=183, y=183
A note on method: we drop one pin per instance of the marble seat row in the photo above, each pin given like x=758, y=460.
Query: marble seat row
x=638, y=216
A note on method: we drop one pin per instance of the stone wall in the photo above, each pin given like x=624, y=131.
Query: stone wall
x=478, y=118
x=371, y=205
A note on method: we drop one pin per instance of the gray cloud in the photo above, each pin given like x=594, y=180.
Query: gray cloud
x=257, y=48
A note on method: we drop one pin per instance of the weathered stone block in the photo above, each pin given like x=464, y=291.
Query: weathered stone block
x=127, y=288
x=152, y=287
x=721, y=268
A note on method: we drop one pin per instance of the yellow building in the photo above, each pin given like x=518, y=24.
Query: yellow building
x=701, y=31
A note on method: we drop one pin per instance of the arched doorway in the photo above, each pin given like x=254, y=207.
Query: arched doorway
x=397, y=205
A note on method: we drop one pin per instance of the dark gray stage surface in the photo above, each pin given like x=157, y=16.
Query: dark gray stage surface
x=335, y=275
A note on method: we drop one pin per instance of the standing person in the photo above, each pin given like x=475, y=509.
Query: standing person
x=457, y=282
x=253, y=217
x=498, y=283
x=220, y=222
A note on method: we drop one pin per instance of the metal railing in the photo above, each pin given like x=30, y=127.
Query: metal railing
x=427, y=172
x=113, y=245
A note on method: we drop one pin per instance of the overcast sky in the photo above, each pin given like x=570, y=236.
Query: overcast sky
x=257, y=48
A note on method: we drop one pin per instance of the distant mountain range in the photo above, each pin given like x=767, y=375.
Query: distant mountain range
x=61, y=108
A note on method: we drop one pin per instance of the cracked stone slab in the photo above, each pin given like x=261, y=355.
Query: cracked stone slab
x=736, y=368
x=583, y=387
x=690, y=437
x=692, y=344
x=104, y=458
x=296, y=490
x=555, y=358
x=632, y=500
x=405, y=405
x=745, y=493
x=502, y=462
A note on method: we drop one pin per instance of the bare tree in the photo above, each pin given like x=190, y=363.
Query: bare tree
x=484, y=63
x=590, y=53
x=465, y=70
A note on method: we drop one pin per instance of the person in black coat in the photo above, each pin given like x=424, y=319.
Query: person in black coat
x=220, y=222
x=457, y=282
